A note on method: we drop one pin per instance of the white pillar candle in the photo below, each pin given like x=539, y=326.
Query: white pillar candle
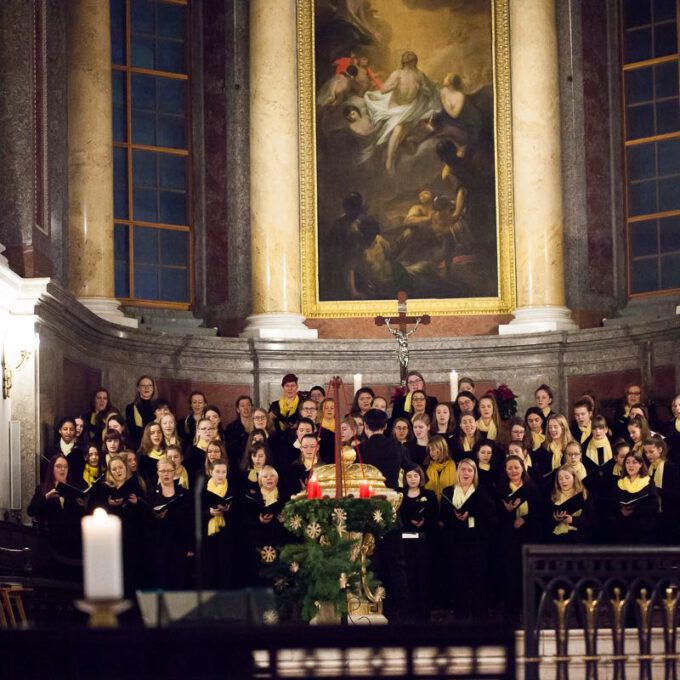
x=453, y=380
x=102, y=556
x=357, y=382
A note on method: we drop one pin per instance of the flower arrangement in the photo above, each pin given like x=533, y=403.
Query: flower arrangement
x=506, y=400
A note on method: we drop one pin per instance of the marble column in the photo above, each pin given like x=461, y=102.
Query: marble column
x=90, y=159
x=537, y=170
x=274, y=175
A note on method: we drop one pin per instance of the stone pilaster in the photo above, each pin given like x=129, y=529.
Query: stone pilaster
x=274, y=183
x=537, y=170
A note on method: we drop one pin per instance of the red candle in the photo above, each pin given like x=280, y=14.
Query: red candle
x=364, y=489
x=313, y=488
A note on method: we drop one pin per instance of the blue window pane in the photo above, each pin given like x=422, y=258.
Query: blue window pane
x=119, y=124
x=143, y=52
x=144, y=169
x=172, y=132
x=173, y=207
x=142, y=16
x=664, y=9
x=665, y=40
x=146, y=282
x=118, y=88
x=637, y=12
x=669, y=194
x=666, y=80
x=117, y=10
x=174, y=285
x=170, y=55
x=172, y=172
x=643, y=238
x=146, y=245
x=669, y=156
x=669, y=234
x=120, y=242
x=641, y=161
x=640, y=121
x=121, y=280
x=120, y=186
x=670, y=271
x=642, y=197
x=637, y=45
x=143, y=92
x=639, y=86
x=144, y=205
x=143, y=128
x=170, y=20
x=171, y=96
x=667, y=116
x=174, y=247
x=644, y=275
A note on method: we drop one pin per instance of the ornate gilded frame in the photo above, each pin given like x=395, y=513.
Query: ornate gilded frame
x=312, y=307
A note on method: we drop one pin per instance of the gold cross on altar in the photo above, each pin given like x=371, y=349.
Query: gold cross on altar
x=401, y=333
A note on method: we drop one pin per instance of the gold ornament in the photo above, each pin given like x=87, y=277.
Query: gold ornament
x=343, y=581
x=313, y=530
x=270, y=616
x=294, y=567
x=295, y=522
x=378, y=517
x=268, y=554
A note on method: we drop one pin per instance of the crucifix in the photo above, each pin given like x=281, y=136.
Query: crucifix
x=400, y=332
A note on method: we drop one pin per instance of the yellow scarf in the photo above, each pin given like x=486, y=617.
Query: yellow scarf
x=485, y=466
x=287, y=409
x=93, y=418
x=407, y=403
x=563, y=527
x=466, y=444
x=616, y=470
x=90, y=473
x=217, y=522
x=585, y=431
x=546, y=411
x=66, y=448
x=184, y=477
x=439, y=476
x=537, y=439
x=155, y=454
x=580, y=471
x=490, y=429
x=173, y=441
x=677, y=424
x=253, y=475
x=460, y=496
x=270, y=497
x=658, y=474
x=328, y=424
x=138, y=416
x=594, y=445
x=202, y=445
x=626, y=411
x=626, y=484
x=523, y=508
x=556, y=455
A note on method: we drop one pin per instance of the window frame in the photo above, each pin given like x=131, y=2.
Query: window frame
x=129, y=147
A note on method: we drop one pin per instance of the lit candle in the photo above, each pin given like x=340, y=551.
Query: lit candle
x=102, y=556
x=313, y=488
x=364, y=489
x=357, y=382
x=453, y=380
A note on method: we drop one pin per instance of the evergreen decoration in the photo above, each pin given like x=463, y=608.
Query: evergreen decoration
x=325, y=563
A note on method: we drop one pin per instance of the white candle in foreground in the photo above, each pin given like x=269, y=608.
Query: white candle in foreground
x=453, y=380
x=357, y=382
x=102, y=556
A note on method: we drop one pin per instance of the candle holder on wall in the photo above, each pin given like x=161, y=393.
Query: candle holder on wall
x=103, y=613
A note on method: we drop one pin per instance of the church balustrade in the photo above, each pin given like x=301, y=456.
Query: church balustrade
x=605, y=611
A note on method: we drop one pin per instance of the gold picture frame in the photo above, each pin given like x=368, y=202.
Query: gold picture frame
x=504, y=299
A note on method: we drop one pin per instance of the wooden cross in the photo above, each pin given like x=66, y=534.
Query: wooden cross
x=401, y=333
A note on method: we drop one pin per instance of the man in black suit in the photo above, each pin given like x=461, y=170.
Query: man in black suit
x=388, y=562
